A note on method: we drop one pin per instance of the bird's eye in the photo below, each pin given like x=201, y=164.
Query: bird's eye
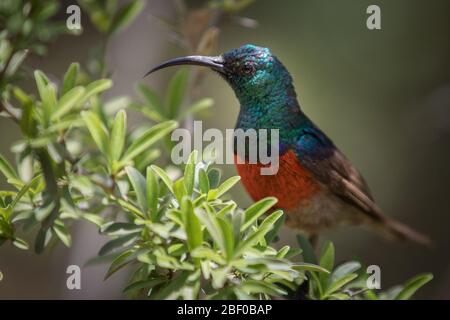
x=248, y=69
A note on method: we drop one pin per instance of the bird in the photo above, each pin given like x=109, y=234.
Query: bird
x=317, y=187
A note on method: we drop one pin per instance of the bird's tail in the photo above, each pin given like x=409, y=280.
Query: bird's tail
x=401, y=231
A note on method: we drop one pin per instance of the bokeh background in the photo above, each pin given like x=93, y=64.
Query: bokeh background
x=383, y=96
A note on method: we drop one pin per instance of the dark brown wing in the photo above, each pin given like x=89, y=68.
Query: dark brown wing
x=318, y=154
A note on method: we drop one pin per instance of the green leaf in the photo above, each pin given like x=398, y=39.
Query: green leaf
x=20, y=243
x=256, y=210
x=214, y=176
x=310, y=267
x=67, y=102
x=21, y=96
x=42, y=239
x=97, y=130
x=129, y=207
x=203, y=181
x=125, y=15
x=253, y=286
x=164, y=177
x=121, y=261
x=93, y=218
x=62, y=233
x=219, y=276
x=344, y=269
x=179, y=190
x=139, y=186
x=272, y=236
x=94, y=88
x=117, y=243
x=118, y=134
x=143, y=284
x=192, y=224
x=151, y=98
x=119, y=228
x=70, y=78
x=151, y=136
x=327, y=256
x=223, y=188
x=338, y=284
x=208, y=254
x=307, y=250
x=214, y=228
x=47, y=93
x=149, y=113
x=227, y=231
x=25, y=189
x=176, y=91
x=259, y=234
x=414, y=284
x=152, y=193
x=41, y=83
x=189, y=172
x=198, y=106
x=7, y=169
x=172, y=287
x=326, y=261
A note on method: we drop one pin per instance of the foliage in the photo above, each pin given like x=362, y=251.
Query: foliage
x=25, y=28
x=349, y=280
x=77, y=159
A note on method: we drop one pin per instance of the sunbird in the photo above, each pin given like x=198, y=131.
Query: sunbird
x=316, y=185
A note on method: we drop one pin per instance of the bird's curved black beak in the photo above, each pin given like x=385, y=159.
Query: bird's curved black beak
x=215, y=63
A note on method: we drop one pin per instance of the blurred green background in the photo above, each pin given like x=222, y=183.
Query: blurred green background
x=383, y=96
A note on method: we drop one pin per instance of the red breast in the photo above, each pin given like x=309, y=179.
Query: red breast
x=291, y=185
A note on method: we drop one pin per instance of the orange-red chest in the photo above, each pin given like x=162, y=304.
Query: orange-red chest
x=291, y=185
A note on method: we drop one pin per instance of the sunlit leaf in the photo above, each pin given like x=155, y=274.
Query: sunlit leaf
x=414, y=284
x=7, y=169
x=67, y=102
x=189, y=172
x=147, y=139
x=223, y=188
x=257, y=209
x=118, y=133
x=97, y=130
x=139, y=186
x=70, y=77
x=152, y=193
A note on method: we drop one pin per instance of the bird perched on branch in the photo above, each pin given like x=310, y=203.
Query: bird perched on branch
x=315, y=185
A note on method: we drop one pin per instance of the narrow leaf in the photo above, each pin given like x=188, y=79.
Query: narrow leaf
x=94, y=88
x=223, y=188
x=139, y=186
x=414, y=284
x=193, y=228
x=152, y=193
x=7, y=169
x=70, y=77
x=67, y=102
x=97, y=130
x=164, y=177
x=176, y=91
x=125, y=15
x=151, y=98
x=118, y=133
x=189, y=172
x=256, y=210
x=151, y=136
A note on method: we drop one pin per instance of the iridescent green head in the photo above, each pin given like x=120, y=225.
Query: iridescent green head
x=253, y=72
